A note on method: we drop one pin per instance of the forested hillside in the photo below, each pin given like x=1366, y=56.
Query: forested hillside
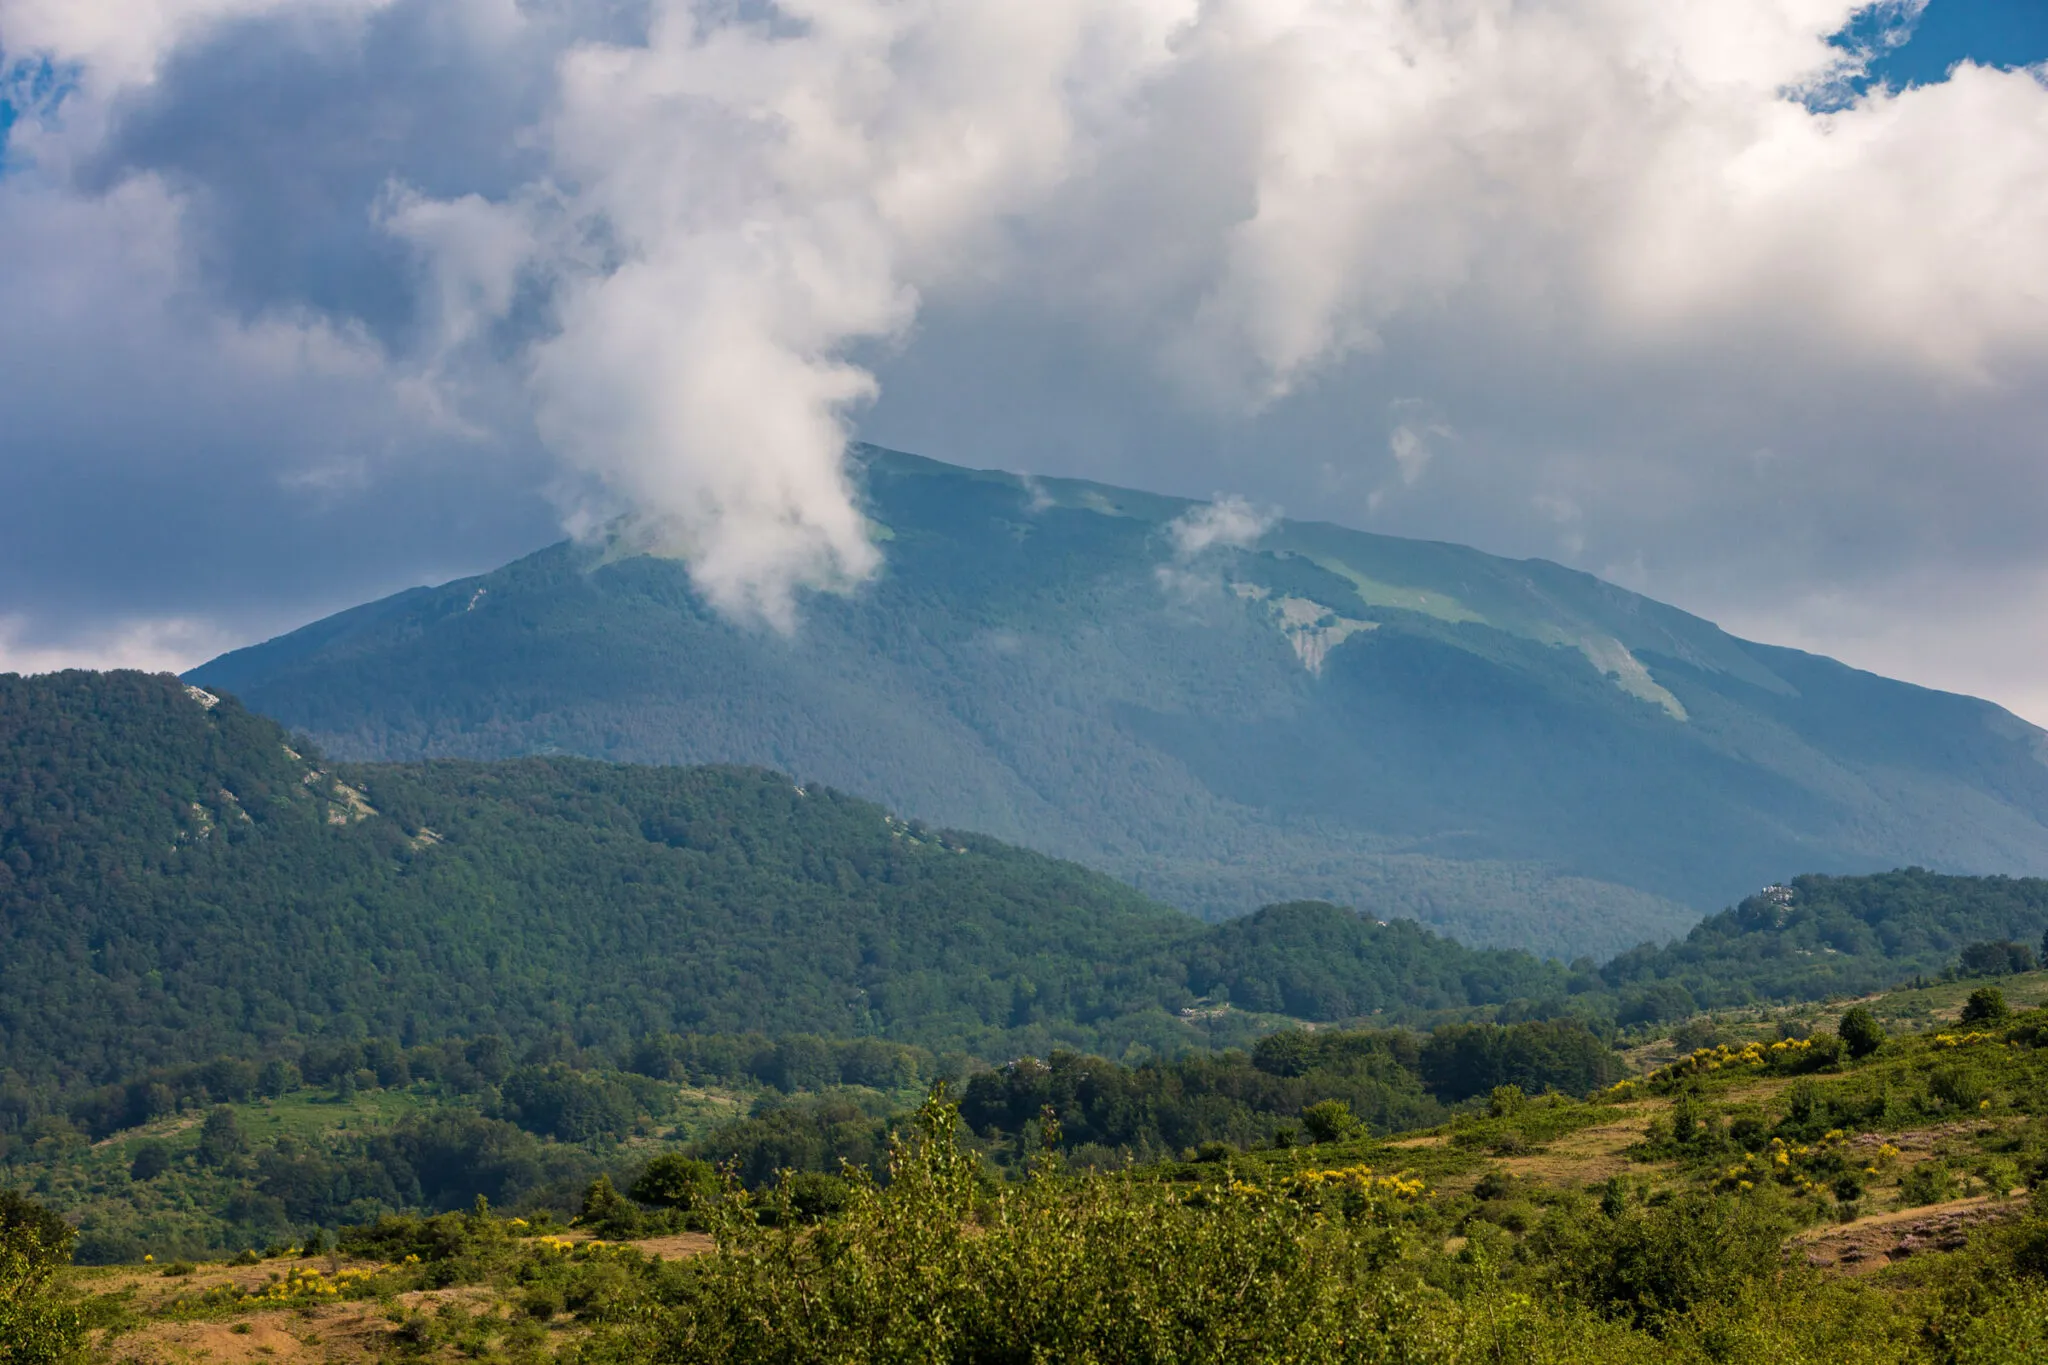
x=1507, y=751
x=176, y=882
x=1828, y=936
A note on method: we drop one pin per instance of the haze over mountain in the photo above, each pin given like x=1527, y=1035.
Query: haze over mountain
x=1223, y=709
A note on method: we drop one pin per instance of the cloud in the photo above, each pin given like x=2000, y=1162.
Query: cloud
x=164, y=645
x=662, y=259
x=1229, y=522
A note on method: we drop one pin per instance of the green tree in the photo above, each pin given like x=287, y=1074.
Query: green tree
x=1327, y=1120
x=152, y=1159
x=1860, y=1032
x=220, y=1137
x=36, y=1328
x=674, y=1181
x=1986, y=1005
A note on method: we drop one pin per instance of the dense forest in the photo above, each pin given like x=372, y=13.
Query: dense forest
x=179, y=883
x=1823, y=936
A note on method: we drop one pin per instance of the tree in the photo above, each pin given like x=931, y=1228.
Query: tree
x=1327, y=1120
x=1999, y=957
x=35, y=1327
x=152, y=1159
x=608, y=1211
x=220, y=1137
x=1860, y=1032
x=675, y=1181
x=1986, y=1005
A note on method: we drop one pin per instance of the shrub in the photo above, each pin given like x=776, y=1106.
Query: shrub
x=1956, y=1087
x=607, y=1211
x=1649, y=1264
x=1860, y=1032
x=152, y=1159
x=1986, y=1005
x=674, y=1181
x=1327, y=1120
x=220, y=1137
x=813, y=1195
x=1927, y=1183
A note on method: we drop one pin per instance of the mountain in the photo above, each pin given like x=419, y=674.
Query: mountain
x=177, y=882
x=1510, y=751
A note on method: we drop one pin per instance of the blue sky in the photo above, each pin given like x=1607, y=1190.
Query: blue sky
x=1990, y=32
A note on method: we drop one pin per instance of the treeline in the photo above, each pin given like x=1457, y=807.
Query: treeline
x=1832, y=936
x=1112, y=1115
x=551, y=1087
x=532, y=1130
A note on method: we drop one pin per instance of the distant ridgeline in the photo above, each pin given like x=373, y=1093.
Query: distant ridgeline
x=1823, y=936
x=1511, y=752
x=177, y=883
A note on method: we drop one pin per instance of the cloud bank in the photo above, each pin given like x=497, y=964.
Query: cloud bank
x=1665, y=291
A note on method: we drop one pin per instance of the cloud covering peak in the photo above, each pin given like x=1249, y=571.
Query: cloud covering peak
x=1448, y=266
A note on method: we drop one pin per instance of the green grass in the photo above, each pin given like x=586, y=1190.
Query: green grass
x=1374, y=593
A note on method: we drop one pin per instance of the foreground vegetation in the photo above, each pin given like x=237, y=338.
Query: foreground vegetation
x=1804, y=1188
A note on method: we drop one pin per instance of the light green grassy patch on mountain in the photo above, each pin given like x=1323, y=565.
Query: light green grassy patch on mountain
x=1374, y=593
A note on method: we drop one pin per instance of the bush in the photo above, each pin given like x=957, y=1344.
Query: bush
x=674, y=1181
x=608, y=1212
x=813, y=1195
x=1986, y=1005
x=1648, y=1265
x=220, y=1137
x=1860, y=1032
x=1957, y=1087
x=1927, y=1183
x=1327, y=1120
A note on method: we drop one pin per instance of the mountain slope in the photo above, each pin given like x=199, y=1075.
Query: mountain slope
x=176, y=883
x=1510, y=751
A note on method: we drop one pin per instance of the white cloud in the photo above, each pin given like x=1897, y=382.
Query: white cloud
x=1598, y=238
x=1229, y=521
x=162, y=645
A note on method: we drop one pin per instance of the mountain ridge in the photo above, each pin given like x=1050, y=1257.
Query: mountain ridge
x=1513, y=752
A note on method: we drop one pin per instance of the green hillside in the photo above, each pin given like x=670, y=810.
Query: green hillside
x=177, y=883
x=1507, y=751
x=1837, y=936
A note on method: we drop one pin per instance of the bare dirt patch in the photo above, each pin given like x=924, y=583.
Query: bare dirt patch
x=1586, y=1157
x=676, y=1246
x=326, y=1334
x=1884, y=1238
x=1427, y=1140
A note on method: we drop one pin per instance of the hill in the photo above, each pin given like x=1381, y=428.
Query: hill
x=178, y=882
x=1508, y=751
x=1835, y=936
